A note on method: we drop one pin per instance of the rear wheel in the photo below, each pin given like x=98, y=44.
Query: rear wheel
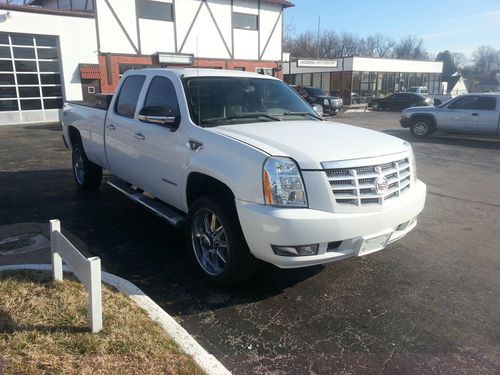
x=87, y=174
x=376, y=106
x=422, y=128
x=216, y=243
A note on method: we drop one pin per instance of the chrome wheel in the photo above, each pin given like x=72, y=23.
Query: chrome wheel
x=79, y=166
x=420, y=129
x=209, y=241
x=375, y=106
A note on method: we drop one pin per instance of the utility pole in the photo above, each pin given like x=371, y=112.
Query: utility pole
x=319, y=26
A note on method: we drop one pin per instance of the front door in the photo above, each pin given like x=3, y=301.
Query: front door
x=120, y=133
x=459, y=115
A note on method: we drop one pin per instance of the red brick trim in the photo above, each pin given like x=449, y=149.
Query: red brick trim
x=115, y=61
x=90, y=71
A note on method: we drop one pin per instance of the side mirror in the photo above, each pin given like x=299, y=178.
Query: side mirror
x=159, y=115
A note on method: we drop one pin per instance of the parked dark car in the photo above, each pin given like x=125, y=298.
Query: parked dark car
x=314, y=95
x=400, y=101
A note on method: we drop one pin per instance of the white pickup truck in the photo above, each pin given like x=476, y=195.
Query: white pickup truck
x=248, y=168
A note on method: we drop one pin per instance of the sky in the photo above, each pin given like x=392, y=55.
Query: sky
x=455, y=25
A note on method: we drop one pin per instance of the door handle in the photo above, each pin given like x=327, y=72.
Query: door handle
x=475, y=114
x=139, y=136
x=110, y=126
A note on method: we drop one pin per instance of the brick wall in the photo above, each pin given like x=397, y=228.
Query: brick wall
x=109, y=66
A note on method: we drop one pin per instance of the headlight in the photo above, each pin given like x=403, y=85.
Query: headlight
x=326, y=102
x=283, y=185
x=413, y=164
x=404, y=116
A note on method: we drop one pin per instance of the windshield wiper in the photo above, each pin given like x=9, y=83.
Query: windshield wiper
x=253, y=115
x=308, y=114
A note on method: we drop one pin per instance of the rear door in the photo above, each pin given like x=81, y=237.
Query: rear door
x=162, y=150
x=121, y=150
x=488, y=115
x=461, y=114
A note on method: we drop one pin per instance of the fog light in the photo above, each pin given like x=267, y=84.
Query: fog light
x=293, y=251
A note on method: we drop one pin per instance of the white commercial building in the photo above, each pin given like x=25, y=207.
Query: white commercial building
x=65, y=50
x=358, y=79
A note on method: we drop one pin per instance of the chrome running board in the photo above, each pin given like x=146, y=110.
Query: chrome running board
x=159, y=208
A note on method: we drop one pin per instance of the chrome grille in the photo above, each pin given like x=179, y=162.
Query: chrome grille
x=357, y=186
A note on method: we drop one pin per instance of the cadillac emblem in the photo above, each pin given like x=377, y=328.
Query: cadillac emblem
x=381, y=185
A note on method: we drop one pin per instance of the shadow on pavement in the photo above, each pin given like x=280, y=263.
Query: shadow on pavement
x=131, y=242
x=52, y=127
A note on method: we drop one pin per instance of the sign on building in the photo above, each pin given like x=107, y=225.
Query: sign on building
x=317, y=63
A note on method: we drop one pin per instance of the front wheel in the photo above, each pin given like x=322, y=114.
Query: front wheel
x=375, y=106
x=216, y=242
x=87, y=174
x=421, y=128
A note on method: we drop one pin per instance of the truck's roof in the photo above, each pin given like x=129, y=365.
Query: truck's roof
x=200, y=72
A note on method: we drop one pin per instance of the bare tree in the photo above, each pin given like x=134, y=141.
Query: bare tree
x=378, y=45
x=410, y=48
x=486, y=60
x=332, y=45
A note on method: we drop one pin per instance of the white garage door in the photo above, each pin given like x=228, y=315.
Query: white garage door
x=30, y=82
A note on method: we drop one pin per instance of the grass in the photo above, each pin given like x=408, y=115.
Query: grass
x=44, y=330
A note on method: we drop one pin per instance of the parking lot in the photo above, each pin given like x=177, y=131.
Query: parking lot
x=426, y=304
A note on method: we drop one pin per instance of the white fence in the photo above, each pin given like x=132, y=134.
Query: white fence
x=88, y=271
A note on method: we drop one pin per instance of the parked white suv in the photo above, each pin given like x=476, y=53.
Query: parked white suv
x=248, y=167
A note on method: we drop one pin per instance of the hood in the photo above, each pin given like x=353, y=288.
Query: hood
x=310, y=143
x=326, y=97
x=420, y=109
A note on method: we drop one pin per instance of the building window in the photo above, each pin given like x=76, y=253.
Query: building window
x=245, y=21
x=242, y=68
x=264, y=71
x=155, y=10
x=30, y=77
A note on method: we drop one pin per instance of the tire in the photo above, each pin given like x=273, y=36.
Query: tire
x=421, y=128
x=88, y=176
x=375, y=106
x=216, y=243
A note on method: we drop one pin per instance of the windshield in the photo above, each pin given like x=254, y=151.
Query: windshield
x=445, y=103
x=314, y=91
x=215, y=101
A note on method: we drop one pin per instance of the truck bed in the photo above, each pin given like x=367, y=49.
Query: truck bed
x=89, y=119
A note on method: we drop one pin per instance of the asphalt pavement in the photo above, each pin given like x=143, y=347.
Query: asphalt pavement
x=428, y=303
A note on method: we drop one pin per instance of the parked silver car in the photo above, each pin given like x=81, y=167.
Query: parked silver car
x=471, y=113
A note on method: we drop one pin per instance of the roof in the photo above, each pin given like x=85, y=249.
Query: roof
x=452, y=81
x=200, y=72
x=284, y=3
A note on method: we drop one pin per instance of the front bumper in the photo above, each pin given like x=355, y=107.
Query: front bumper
x=405, y=122
x=333, y=108
x=264, y=226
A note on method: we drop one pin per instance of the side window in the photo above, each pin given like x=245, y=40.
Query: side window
x=129, y=93
x=487, y=103
x=467, y=102
x=161, y=93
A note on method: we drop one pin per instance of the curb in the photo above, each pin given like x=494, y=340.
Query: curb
x=186, y=342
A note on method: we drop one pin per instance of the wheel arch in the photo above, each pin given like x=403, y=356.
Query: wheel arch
x=424, y=116
x=200, y=184
x=74, y=136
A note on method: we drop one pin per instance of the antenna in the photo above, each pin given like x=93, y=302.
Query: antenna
x=198, y=80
